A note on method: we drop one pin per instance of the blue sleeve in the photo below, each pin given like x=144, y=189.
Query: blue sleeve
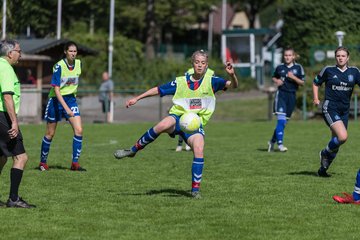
x=276, y=73
x=321, y=77
x=218, y=84
x=56, y=77
x=167, y=88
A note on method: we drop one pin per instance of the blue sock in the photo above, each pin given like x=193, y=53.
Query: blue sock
x=145, y=139
x=356, y=193
x=332, y=148
x=280, y=129
x=77, y=145
x=196, y=173
x=45, y=149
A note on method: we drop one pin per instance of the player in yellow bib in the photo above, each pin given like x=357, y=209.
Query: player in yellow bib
x=191, y=92
x=62, y=103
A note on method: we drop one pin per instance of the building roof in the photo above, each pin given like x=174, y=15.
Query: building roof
x=51, y=47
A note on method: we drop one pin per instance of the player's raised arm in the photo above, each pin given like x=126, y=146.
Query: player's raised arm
x=151, y=92
x=231, y=71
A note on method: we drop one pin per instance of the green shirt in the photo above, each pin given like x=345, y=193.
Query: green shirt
x=9, y=84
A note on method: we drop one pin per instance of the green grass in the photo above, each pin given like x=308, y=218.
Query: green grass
x=247, y=192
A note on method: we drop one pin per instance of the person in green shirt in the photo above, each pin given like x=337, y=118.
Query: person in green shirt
x=11, y=140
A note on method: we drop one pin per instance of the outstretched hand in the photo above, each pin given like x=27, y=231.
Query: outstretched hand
x=130, y=102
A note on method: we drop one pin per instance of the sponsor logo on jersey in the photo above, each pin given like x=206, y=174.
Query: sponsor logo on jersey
x=351, y=78
x=195, y=103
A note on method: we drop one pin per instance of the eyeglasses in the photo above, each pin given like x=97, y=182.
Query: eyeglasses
x=16, y=50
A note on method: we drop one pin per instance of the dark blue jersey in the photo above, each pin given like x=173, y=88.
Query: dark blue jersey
x=281, y=72
x=170, y=87
x=339, y=85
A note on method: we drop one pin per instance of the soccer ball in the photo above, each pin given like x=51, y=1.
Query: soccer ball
x=189, y=122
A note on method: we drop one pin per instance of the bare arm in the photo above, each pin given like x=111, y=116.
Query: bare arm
x=316, y=100
x=10, y=108
x=151, y=92
x=277, y=81
x=230, y=70
x=62, y=101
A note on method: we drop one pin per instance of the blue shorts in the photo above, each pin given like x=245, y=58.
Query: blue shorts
x=333, y=113
x=284, y=103
x=55, y=112
x=184, y=135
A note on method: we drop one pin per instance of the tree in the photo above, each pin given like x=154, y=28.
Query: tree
x=307, y=23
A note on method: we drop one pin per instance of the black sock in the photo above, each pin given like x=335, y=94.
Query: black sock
x=15, y=179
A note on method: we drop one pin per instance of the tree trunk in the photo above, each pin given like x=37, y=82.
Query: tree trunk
x=150, y=29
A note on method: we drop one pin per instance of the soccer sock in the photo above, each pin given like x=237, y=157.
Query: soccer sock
x=281, y=122
x=181, y=140
x=332, y=148
x=45, y=148
x=273, y=138
x=77, y=145
x=145, y=139
x=196, y=171
x=15, y=179
x=356, y=193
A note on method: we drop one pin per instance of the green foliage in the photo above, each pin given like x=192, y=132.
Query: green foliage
x=308, y=23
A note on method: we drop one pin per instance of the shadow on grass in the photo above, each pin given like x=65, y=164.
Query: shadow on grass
x=57, y=167
x=305, y=173
x=165, y=192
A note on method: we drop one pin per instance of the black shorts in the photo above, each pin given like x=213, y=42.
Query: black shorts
x=9, y=147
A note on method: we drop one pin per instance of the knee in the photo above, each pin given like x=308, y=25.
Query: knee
x=342, y=138
x=78, y=131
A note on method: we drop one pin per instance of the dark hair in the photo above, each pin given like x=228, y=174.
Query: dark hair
x=341, y=48
x=68, y=44
x=289, y=49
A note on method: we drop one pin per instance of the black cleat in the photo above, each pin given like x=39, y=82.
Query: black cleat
x=19, y=203
x=322, y=173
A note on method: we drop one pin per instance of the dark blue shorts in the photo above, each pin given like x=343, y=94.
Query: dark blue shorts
x=184, y=135
x=284, y=103
x=55, y=112
x=333, y=113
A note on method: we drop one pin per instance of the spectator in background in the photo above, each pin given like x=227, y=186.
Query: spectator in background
x=30, y=79
x=106, y=95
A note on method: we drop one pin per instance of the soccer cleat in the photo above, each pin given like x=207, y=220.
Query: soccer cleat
x=77, y=167
x=324, y=161
x=43, y=167
x=322, y=172
x=19, y=203
x=196, y=195
x=122, y=153
x=187, y=147
x=178, y=149
x=346, y=199
x=282, y=148
x=271, y=146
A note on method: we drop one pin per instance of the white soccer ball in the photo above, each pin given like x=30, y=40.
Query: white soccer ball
x=190, y=122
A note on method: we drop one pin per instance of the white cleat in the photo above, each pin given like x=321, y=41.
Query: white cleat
x=187, y=148
x=178, y=149
x=282, y=148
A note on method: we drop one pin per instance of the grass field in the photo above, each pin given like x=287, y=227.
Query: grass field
x=247, y=192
